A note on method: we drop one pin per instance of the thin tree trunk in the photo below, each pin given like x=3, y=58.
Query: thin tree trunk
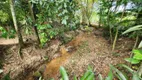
x=136, y=42
x=34, y=20
x=85, y=13
x=100, y=18
x=116, y=34
x=17, y=28
x=89, y=11
x=108, y=19
x=13, y=14
x=115, y=40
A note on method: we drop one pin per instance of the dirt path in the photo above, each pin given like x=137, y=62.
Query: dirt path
x=96, y=52
x=89, y=49
x=4, y=41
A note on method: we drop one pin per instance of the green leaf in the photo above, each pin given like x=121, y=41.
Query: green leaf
x=4, y=34
x=135, y=28
x=128, y=68
x=65, y=5
x=40, y=78
x=90, y=77
x=41, y=27
x=120, y=74
x=52, y=79
x=64, y=21
x=140, y=45
x=135, y=77
x=37, y=74
x=90, y=68
x=63, y=73
x=110, y=75
x=119, y=78
x=6, y=77
x=132, y=60
x=49, y=26
x=137, y=54
x=86, y=75
x=75, y=78
x=100, y=77
x=1, y=28
x=137, y=51
x=1, y=71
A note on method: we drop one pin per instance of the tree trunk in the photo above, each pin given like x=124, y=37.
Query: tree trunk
x=100, y=18
x=136, y=42
x=17, y=28
x=108, y=21
x=116, y=34
x=13, y=14
x=34, y=20
x=89, y=10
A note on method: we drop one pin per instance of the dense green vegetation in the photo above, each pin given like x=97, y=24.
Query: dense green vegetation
x=48, y=19
x=89, y=75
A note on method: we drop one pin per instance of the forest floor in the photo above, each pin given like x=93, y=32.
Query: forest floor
x=87, y=48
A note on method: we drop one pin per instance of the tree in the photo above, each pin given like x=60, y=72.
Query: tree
x=86, y=10
x=17, y=28
x=34, y=20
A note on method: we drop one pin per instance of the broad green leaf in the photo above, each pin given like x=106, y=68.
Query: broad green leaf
x=140, y=45
x=135, y=77
x=110, y=75
x=41, y=27
x=4, y=34
x=63, y=73
x=137, y=51
x=1, y=28
x=40, y=78
x=1, y=71
x=135, y=28
x=90, y=68
x=100, y=77
x=120, y=74
x=132, y=60
x=140, y=8
x=119, y=78
x=40, y=2
x=65, y=5
x=49, y=26
x=127, y=67
x=64, y=21
x=90, y=77
x=137, y=54
x=86, y=75
x=75, y=78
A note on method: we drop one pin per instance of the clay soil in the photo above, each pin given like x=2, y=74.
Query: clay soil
x=91, y=50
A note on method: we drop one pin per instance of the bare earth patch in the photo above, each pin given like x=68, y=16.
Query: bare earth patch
x=93, y=50
x=96, y=52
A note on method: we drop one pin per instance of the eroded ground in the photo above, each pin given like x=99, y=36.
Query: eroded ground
x=85, y=49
